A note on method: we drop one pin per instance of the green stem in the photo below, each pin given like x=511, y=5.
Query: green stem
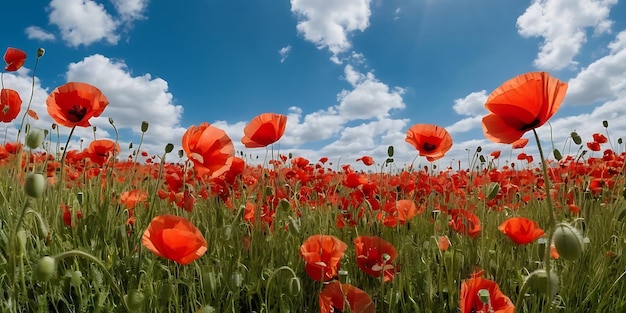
x=30, y=101
x=78, y=253
x=546, y=184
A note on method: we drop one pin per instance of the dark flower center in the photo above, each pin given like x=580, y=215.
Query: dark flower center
x=429, y=147
x=77, y=113
x=531, y=125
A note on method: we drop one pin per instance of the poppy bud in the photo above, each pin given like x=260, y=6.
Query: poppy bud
x=54, y=125
x=605, y=123
x=390, y=151
x=619, y=141
x=294, y=286
x=568, y=241
x=94, y=128
x=46, y=268
x=576, y=138
x=479, y=149
x=492, y=191
x=181, y=153
x=144, y=126
x=111, y=120
x=34, y=185
x=538, y=281
x=169, y=147
x=482, y=159
x=34, y=138
x=236, y=280
x=134, y=300
x=76, y=278
x=41, y=52
x=557, y=154
x=21, y=242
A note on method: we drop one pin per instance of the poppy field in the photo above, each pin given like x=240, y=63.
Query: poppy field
x=205, y=229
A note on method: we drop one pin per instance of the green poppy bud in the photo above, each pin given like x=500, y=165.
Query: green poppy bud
x=21, y=242
x=557, y=154
x=35, y=138
x=568, y=241
x=492, y=191
x=576, y=138
x=34, y=185
x=169, y=147
x=538, y=281
x=144, y=126
x=46, y=268
x=76, y=278
x=390, y=151
x=605, y=123
x=135, y=300
x=41, y=52
x=294, y=286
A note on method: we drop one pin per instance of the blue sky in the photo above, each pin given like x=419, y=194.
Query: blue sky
x=352, y=75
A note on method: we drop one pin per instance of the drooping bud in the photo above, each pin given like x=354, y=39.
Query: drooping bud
x=492, y=190
x=576, y=138
x=294, y=286
x=46, y=268
x=568, y=241
x=538, y=281
x=135, y=300
x=35, y=138
x=34, y=185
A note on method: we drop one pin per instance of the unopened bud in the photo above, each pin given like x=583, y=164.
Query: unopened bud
x=294, y=286
x=169, y=147
x=144, y=126
x=135, y=300
x=34, y=185
x=568, y=241
x=35, y=138
x=538, y=281
x=41, y=52
x=46, y=268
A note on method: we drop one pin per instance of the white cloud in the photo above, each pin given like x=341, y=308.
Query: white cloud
x=37, y=33
x=284, y=53
x=562, y=24
x=473, y=104
x=327, y=23
x=130, y=10
x=602, y=80
x=132, y=99
x=465, y=125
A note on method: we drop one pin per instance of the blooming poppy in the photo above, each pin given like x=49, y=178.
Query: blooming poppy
x=594, y=146
x=74, y=103
x=322, y=254
x=464, y=222
x=10, y=105
x=430, y=140
x=209, y=148
x=174, y=238
x=131, y=198
x=520, y=104
x=335, y=296
x=367, y=160
x=264, y=130
x=100, y=151
x=495, y=154
x=600, y=138
x=521, y=230
x=14, y=58
x=519, y=143
x=375, y=256
x=470, y=301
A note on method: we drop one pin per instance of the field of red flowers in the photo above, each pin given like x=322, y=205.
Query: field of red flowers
x=208, y=231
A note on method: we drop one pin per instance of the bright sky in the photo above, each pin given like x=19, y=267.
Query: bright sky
x=351, y=75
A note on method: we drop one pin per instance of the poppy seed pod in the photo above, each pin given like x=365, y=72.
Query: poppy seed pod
x=538, y=281
x=34, y=185
x=568, y=241
x=46, y=268
x=35, y=138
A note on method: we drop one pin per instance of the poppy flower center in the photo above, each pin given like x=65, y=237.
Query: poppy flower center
x=429, y=147
x=531, y=125
x=77, y=113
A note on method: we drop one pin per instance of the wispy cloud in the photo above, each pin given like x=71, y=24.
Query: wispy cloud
x=284, y=53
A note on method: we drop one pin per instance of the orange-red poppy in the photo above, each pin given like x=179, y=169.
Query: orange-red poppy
x=174, y=238
x=366, y=159
x=10, y=105
x=335, y=296
x=264, y=130
x=600, y=138
x=521, y=230
x=74, y=103
x=495, y=154
x=594, y=146
x=464, y=222
x=519, y=143
x=14, y=59
x=430, y=140
x=321, y=254
x=520, y=104
x=470, y=301
x=131, y=198
x=375, y=256
x=100, y=151
x=209, y=148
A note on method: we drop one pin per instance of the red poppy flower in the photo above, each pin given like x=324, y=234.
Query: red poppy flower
x=470, y=301
x=264, y=130
x=322, y=254
x=367, y=160
x=131, y=198
x=521, y=230
x=431, y=141
x=335, y=296
x=495, y=154
x=10, y=105
x=101, y=151
x=67, y=215
x=375, y=256
x=600, y=138
x=209, y=148
x=594, y=146
x=519, y=143
x=520, y=104
x=73, y=104
x=465, y=222
x=174, y=238
x=14, y=58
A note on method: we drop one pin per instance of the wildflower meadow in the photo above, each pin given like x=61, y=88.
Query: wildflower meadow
x=206, y=230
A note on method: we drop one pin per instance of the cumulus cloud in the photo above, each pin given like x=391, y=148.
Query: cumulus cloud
x=328, y=23
x=284, y=53
x=473, y=104
x=563, y=25
x=602, y=80
x=37, y=33
x=132, y=99
x=130, y=10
